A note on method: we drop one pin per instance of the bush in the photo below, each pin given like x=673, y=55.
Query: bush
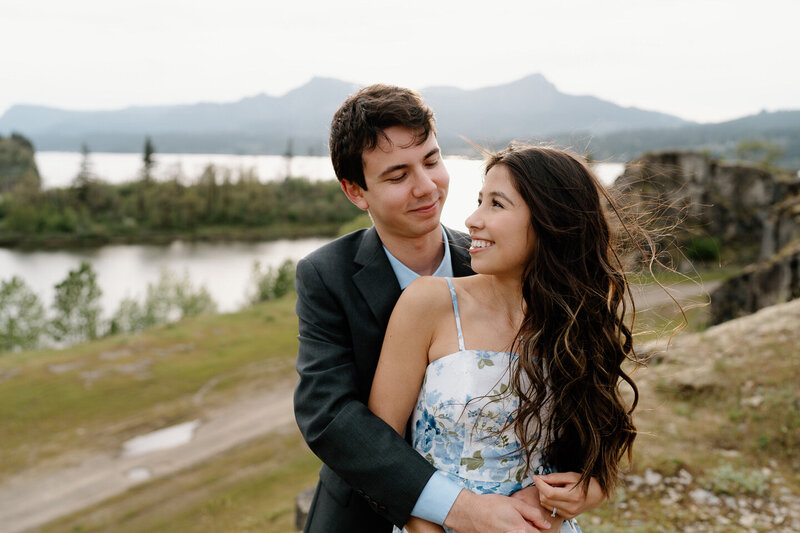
x=77, y=306
x=169, y=299
x=703, y=249
x=22, y=319
x=272, y=283
x=725, y=479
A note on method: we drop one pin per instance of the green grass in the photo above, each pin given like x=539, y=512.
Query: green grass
x=705, y=272
x=95, y=394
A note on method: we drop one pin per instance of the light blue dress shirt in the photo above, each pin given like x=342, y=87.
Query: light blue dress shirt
x=440, y=493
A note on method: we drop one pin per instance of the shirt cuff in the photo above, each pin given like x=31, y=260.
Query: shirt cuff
x=436, y=499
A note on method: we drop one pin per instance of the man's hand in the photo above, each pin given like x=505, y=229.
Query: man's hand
x=562, y=492
x=492, y=513
x=530, y=495
x=418, y=525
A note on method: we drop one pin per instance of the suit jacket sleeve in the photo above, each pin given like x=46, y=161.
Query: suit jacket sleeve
x=330, y=411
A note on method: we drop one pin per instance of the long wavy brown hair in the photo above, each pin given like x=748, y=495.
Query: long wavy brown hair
x=573, y=340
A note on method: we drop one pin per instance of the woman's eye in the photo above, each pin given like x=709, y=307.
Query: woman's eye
x=495, y=203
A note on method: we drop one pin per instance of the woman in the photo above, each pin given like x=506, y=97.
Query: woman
x=517, y=368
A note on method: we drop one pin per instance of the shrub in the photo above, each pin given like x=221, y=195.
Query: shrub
x=703, y=249
x=272, y=283
x=22, y=319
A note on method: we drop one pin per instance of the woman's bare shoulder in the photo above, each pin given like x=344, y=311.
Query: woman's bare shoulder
x=426, y=291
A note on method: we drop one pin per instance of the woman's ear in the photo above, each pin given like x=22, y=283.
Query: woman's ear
x=354, y=193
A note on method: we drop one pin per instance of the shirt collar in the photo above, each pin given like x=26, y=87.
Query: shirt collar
x=405, y=275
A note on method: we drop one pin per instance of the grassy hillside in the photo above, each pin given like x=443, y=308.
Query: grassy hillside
x=719, y=448
x=94, y=396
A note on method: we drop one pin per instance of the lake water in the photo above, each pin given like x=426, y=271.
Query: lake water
x=223, y=268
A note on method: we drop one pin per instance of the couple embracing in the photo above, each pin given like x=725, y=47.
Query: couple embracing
x=460, y=382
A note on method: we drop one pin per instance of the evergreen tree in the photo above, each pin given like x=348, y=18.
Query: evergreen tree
x=148, y=163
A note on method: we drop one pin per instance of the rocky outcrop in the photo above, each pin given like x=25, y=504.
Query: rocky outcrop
x=17, y=164
x=763, y=284
x=751, y=211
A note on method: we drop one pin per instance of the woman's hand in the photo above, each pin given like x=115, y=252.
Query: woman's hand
x=530, y=495
x=418, y=525
x=561, y=491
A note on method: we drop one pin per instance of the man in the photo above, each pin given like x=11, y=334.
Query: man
x=386, y=157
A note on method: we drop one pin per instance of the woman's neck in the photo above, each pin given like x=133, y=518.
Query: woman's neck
x=506, y=294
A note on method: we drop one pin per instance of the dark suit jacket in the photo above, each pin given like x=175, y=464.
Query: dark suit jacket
x=372, y=477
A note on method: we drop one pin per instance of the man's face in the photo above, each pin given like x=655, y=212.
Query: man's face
x=406, y=185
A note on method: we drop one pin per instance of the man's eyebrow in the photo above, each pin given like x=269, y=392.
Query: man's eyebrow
x=391, y=169
x=433, y=152
x=401, y=166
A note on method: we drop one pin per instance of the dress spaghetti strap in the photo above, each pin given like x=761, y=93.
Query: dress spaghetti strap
x=455, y=310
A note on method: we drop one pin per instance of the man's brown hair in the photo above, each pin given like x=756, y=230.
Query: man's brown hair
x=359, y=122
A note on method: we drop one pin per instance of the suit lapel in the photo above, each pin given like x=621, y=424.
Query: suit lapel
x=376, y=280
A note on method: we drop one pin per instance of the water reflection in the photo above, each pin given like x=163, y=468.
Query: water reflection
x=126, y=270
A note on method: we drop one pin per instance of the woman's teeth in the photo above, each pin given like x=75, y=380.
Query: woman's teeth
x=477, y=243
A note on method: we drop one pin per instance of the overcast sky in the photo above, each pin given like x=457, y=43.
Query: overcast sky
x=702, y=60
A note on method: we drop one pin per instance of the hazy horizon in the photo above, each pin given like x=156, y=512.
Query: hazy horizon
x=705, y=61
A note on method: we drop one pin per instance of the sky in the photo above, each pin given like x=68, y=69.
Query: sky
x=702, y=60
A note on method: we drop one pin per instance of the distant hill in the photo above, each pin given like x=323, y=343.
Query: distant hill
x=528, y=108
x=720, y=140
x=525, y=108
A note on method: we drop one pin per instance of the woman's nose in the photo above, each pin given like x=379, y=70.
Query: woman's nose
x=474, y=220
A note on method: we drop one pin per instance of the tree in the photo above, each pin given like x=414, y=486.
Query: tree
x=148, y=163
x=272, y=283
x=84, y=176
x=77, y=306
x=22, y=319
x=288, y=156
x=762, y=151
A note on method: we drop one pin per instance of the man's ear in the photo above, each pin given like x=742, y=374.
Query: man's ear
x=354, y=193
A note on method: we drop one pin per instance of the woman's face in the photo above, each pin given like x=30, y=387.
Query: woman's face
x=500, y=228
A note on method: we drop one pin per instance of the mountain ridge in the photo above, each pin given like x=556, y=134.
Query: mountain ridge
x=262, y=123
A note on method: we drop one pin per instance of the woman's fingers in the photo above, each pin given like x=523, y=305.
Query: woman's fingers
x=562, y=492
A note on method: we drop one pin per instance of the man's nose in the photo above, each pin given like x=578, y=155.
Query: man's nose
x=425, y=183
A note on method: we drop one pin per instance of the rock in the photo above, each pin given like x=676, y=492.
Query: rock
x=652, y=478
x=752, y=211
x=767, y=283
x=302, y=504
x=704, y=498
x=747, y=519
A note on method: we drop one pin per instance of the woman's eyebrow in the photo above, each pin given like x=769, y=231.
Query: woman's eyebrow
x=499, y=194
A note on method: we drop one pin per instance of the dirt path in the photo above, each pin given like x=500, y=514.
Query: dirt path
x=36, y=497
x=651, y=295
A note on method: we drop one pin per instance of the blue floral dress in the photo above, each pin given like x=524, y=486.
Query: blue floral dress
x=462, y=407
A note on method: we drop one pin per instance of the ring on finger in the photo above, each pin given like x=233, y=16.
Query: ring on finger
x=555, y=512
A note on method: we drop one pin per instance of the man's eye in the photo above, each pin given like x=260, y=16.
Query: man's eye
x=397, y=178
x=431, y=163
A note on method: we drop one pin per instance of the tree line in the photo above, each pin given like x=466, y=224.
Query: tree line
x=218, y=204
x=76, y=314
